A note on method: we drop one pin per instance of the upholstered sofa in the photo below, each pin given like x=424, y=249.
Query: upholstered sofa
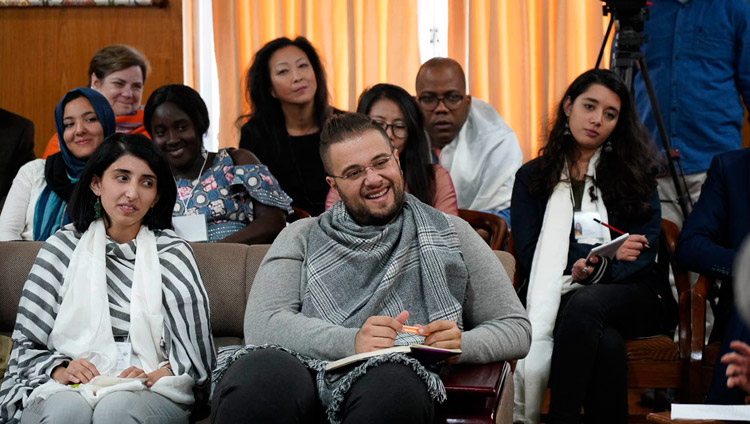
x=476, y=394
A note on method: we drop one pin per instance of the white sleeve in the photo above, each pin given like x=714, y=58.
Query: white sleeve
x=14, y=219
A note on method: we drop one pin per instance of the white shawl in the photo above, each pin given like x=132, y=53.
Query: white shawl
x=83, y=328
x=546, y=285
x=482, y=160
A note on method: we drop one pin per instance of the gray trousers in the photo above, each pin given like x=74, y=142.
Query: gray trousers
x=143, y=407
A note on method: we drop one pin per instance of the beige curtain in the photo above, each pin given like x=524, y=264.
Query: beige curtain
x=360, y=42
x=523, y=54
x=519, y=55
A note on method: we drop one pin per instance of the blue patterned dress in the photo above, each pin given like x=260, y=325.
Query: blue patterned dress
x=225, y=195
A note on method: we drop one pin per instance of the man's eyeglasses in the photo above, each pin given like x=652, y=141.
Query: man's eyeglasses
x=399, y=130
x=357, y=173
x=430, y=102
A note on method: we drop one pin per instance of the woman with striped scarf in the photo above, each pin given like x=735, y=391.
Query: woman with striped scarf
x=113, y=324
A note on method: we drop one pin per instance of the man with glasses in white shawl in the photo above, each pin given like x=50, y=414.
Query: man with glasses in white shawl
x=471, y=140
x=347, y=282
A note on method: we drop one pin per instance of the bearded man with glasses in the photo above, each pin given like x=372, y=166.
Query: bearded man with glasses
x=468, y=138
x=348, y=282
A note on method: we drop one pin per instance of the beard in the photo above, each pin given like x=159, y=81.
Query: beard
x=363, y=216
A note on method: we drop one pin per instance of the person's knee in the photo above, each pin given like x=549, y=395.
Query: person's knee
x=264, y=384
x=115, y=407
x=265, y=371
x=585, y=305
x=142, y=407
x=388, y=393
x=60, y=408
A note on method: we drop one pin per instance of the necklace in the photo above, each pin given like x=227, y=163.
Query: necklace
x=192, y=187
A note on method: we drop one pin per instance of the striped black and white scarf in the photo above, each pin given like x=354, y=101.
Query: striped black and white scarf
x=185, y=309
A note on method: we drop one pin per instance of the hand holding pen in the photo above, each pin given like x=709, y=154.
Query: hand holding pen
x=440, y=333
x=632, y=247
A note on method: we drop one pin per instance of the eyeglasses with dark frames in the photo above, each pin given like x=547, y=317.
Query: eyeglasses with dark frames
x=357, y=173
x=430, y=102
x=399, y=129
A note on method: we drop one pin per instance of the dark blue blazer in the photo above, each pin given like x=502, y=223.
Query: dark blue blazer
x=720, y=220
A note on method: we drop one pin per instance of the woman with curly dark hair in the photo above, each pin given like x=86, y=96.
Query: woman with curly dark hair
x=597, y=164
x=287, y=90
x=394, y=109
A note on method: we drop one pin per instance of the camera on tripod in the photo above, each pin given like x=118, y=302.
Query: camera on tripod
x=631, y=15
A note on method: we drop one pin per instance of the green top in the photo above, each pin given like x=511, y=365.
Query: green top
x=578, y=187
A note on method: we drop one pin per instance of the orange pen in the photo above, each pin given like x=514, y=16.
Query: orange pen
x=412, y=330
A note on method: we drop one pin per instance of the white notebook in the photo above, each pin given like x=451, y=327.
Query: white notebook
x=711, y=412
x=608, y=249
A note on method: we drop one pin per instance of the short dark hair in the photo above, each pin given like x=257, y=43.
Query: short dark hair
x=183, y=97
x=443, y=62
x=116, y=58
x=345, y=126
x=81, y=208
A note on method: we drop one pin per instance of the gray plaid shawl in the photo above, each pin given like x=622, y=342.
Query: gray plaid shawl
x=413, y=264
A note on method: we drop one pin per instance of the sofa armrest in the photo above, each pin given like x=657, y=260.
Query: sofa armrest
x=476, y=393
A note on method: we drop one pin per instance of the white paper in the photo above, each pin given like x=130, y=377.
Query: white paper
x=191, y=227
x=711, y=412
x=608, y=249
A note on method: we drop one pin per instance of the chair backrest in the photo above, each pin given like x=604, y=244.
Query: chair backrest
x=17, y=259
x=493, y=224
x=228, y=271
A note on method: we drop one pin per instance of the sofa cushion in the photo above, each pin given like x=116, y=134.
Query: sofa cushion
x=223, y=270
x=17, y=259
x=228, y=271
x=220, y=342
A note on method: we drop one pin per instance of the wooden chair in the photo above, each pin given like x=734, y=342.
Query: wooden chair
x=297, y=214
x=493, y=224
x=702, y=356
x=659, y=362
x=510, y=247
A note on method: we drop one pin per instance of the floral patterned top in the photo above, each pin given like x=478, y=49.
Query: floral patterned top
x=225, y=194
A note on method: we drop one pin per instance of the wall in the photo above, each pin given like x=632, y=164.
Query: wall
x=44, y=52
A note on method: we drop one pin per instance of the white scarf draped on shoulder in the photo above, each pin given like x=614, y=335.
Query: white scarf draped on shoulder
x=546, y=285
x=483, y=160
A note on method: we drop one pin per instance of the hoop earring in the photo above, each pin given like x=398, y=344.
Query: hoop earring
x=608, y=145
x=97, y=208
x=567, y=127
